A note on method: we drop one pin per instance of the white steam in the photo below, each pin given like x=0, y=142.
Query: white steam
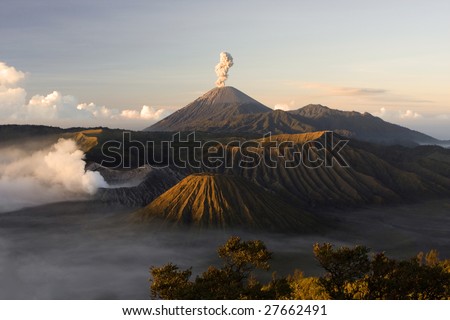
x=50, y=175
x=226, y=62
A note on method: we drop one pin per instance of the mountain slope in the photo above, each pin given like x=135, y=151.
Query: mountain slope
x=362, y=126
x=213, y=200
x=155, y=182
x=275, y=122
x=215, y=106
x=228, y=110
x=368, y=179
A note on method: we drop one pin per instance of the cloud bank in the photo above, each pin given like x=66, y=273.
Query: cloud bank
x=55, y=108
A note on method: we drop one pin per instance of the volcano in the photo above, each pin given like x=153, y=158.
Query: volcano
x=228, y=110
x=218, y=200
x=211, y=112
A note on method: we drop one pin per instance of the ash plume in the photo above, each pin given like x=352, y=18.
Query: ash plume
x=226, y=62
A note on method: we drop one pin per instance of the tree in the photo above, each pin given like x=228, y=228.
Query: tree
x=278, y=288
x=235, y=280
x=350, y=274
x=241, y=258
x=170, y=283
x=344, y=267
x=306, y=288
x=422, y=277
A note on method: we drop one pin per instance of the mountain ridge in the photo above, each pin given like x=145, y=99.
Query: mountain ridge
x=354, y=124
x=229, y=110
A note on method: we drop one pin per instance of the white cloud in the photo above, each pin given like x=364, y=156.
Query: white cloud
x=284, y=106
x=409, y=114
x=281, y=106
x=151, y=113
x=130, y=114
x=11, y=95
x=9, y=76
x=381, y=113
x=54, y=107
x=146, y=113
x=97, y=111
x=397, y=114
x=10, y=99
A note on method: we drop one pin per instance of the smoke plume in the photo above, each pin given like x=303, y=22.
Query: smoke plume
x=49, y=175
x=226, y=62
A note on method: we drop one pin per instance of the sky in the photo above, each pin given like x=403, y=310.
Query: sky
x=130, y=63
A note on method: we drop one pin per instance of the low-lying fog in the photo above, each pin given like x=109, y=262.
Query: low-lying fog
x=86, y=250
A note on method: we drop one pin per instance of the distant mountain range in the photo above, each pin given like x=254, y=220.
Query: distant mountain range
x=228, y=110
x=281, y=198
x=386, y=165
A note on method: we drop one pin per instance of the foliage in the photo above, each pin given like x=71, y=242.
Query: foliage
x=170, y=283
x=241, y=258
x=352, y=275
x=349, y=274
x=344, y=266
x=233, y=281
x=306, y=288
x=409, y=279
